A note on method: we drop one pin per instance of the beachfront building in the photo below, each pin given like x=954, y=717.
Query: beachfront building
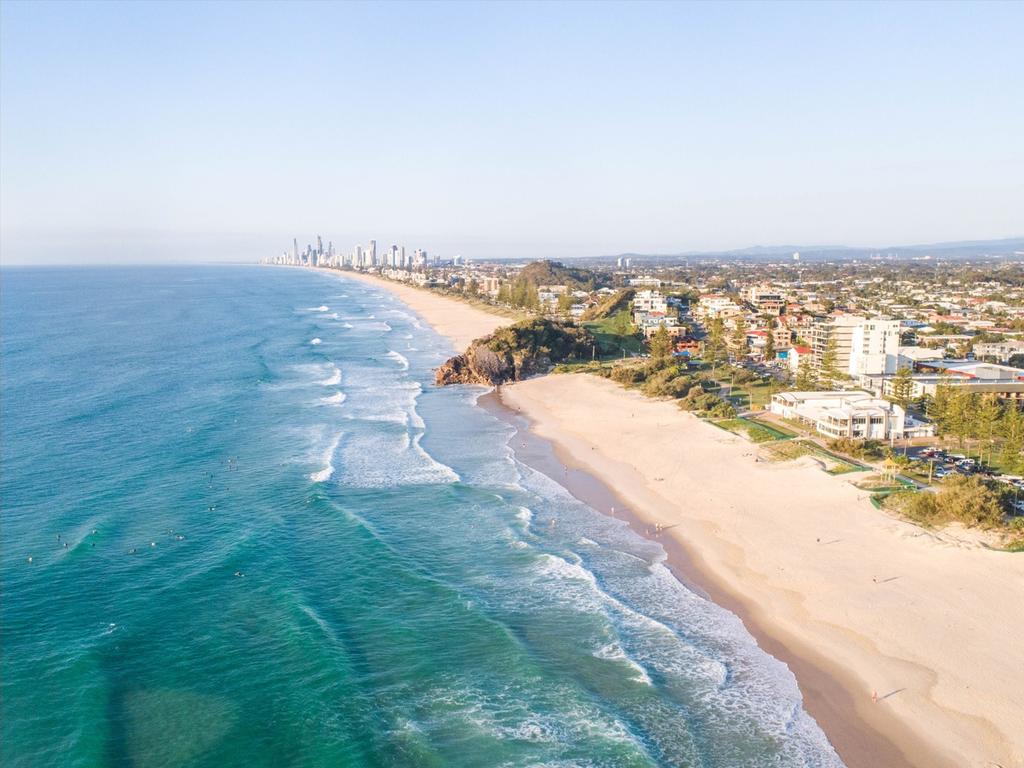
x=857, y=415
x=863, y=346
x=652, y=321
x=651, y=312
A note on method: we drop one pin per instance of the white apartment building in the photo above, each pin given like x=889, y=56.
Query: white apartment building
x=649, y=301
x=864, y=346
x=717, y=306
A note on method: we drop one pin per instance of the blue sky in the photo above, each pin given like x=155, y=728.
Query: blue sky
x=188, y=131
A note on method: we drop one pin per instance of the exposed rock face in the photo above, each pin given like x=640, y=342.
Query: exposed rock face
x=514, y=352
x=480, y=365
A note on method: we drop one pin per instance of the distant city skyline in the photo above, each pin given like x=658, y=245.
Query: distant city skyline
x=157, y=132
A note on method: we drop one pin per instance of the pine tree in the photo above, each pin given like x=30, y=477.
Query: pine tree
x=739, y=336
x=902, y=388
x=829, y=372
x=532, y=298
x=769, y=341
x=986, y=417
x=714, y=346
x=805, y=378
x=939, y=409
x=1011, y=430
x=960, y=414
x=661, y=344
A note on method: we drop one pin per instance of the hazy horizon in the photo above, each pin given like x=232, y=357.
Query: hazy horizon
x=148, y=132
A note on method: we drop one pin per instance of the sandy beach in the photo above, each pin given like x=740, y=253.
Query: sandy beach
x=459, y=321
x=854, y=601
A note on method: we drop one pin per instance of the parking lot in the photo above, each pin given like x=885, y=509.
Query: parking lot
x=946, y=463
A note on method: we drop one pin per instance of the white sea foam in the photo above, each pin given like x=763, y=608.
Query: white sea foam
x=387, y=458
x=321, y=308
x=347, y=325
x=384, y=417
x=334, y=379
x=415, y=420
x=615, y=652
x=336, y=399
x=316, y=341
x=671, y=633
x=399, y=358
x=324, y=474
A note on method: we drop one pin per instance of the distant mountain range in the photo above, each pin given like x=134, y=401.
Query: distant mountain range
x=963, y=249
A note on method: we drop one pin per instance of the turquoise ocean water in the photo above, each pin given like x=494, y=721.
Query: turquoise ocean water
x=401, y=597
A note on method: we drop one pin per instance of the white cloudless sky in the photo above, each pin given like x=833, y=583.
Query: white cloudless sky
x=202, y=131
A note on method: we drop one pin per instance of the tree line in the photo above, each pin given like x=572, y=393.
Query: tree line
x=966, y=415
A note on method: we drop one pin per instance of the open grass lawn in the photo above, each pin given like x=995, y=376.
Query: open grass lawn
x=755, y=431
x=751, y=396
x=611, y=344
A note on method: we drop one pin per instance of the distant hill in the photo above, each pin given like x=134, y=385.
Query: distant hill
x=961, y=249
x=555, y=273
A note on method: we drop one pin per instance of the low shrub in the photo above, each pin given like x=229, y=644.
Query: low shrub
x=628, y=374
x=743, y=376
x=722, y=410
x=859, y=449
x=667, y=383
x=967, y=500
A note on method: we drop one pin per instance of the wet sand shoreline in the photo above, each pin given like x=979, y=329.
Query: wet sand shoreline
x=828, y=701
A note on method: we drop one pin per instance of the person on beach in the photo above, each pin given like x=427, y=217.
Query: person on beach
x=874, y=696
